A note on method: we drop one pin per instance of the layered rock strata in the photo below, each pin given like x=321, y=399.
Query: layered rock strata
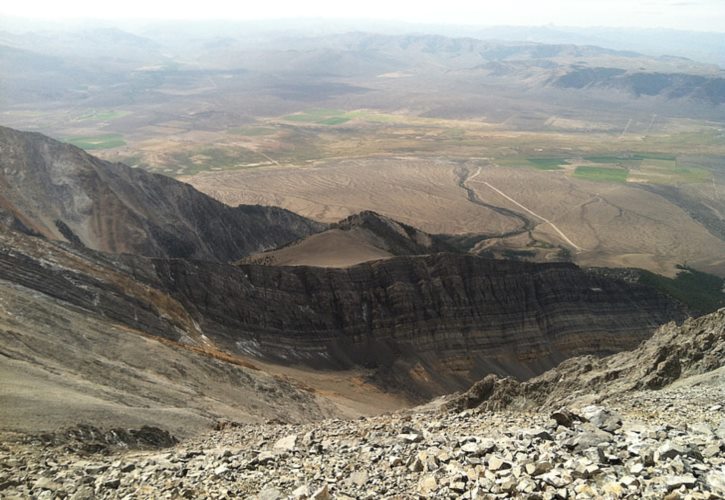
x=431, y=324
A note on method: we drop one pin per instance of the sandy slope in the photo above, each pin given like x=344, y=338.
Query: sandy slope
x=332, y=248
x=60, y=367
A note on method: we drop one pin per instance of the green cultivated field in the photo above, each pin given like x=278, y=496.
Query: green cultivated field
x=102, y=115
x=601, y=174
x=252, y=131
x=320, y=116
x=97, y=141
x=547, y=163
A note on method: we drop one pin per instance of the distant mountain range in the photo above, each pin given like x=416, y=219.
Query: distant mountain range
x=143, y=64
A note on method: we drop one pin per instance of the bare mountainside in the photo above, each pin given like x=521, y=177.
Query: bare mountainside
x=425, y=325
x=59, y=191
x=634, y=442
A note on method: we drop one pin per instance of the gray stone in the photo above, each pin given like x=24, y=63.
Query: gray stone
x=111, y=484
x=712, y=450
x=301, y=492
x=286, y=443
x=588, y=438
x=45, y=483
x=321, y=494
x=538, y=468
x=270, y=494
x=496, y=463
x=669, y=450
x=411, y=438
x=359, y=478
x=716, y=481
x=675, y=482
x=603, y=418
x=427, y=484
x=84, y=492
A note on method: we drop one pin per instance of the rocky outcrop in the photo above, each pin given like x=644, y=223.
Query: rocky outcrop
x=674, y=352
x=59, y=191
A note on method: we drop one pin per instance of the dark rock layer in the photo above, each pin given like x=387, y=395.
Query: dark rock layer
x=432, y=323
x=435, y=321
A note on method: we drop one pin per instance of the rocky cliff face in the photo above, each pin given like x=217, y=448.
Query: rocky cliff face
x=432, y=323
x=61, y=192
x=415, y=318
x=674, y=352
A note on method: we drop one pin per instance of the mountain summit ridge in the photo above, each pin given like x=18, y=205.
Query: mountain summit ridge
x=61, y=192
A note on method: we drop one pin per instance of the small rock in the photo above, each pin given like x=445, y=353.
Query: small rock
x=636, y=468
x=538, y=468
x=416, y=465
x=269, y=494
x=359, y=478
x=427, y=484
x=588, y=438
x=495, y=463
x=669, y=450
x=321, y=494
x=128, y=467
x=565, y=417
x=265, y=457
x=301, y=492
x=711, y=450
x=84, y=492
x=675, y=482
x=478, y=448
x=716, y=481
x=411, y=438
x=45, y=483
x=555, y=478
x=287, y=443
x=606, y=420
x=111, y=484
x=629, y=481
x=613, y=488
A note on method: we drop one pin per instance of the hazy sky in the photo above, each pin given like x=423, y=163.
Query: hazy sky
x=703, y=15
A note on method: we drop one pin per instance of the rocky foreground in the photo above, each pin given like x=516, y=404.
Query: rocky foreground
x=644, y=424
x=653, y=444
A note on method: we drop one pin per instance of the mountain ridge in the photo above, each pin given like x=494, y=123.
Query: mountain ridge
x=61, y=192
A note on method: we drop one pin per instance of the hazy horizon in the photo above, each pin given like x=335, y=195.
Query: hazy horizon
x=690, y=15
